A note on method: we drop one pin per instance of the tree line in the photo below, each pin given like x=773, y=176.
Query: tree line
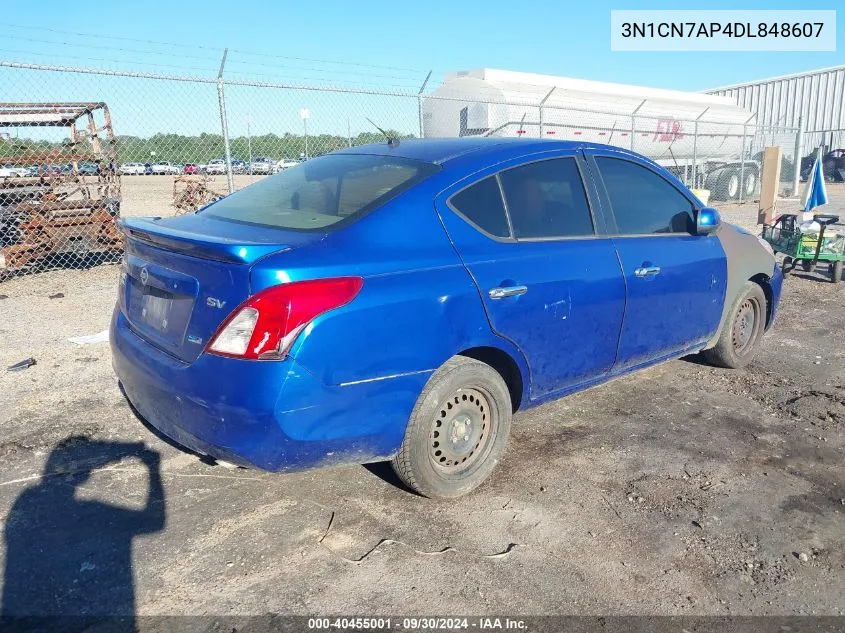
x=178, y=148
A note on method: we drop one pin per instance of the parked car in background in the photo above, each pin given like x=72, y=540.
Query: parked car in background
x=88, y=169
x=262, y=165
x=166, y=168
x=285, y=163
x=12, y=171
x=133, y=169
x=191, y=168
x=401, y=301
x=239, y=166
x=51, y=171
x=215, y=166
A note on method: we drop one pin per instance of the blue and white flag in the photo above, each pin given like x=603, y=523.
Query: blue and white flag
x=815, y=194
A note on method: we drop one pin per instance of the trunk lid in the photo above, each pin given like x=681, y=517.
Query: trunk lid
x=184, y=275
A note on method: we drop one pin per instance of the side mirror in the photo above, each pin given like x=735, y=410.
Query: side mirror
x=707, y=220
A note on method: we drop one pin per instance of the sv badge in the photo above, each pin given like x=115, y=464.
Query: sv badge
x=211, y=302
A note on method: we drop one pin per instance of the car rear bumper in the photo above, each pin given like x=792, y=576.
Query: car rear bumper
x=274, y=415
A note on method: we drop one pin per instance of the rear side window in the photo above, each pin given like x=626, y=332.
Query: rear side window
x=323, y=192
x=546, y=199
x=482, y=205
x=642, y=201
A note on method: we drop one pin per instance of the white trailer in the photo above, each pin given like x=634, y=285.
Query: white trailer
x=701, y=138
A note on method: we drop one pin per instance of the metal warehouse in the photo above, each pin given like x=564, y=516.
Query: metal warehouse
x=815, y=100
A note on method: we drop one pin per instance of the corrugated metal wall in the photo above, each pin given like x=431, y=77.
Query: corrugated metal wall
x=817, y=96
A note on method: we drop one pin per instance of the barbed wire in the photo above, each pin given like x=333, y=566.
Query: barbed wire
x=344, y=63
x=214, y=59
x=337, y=76
x=101, y=60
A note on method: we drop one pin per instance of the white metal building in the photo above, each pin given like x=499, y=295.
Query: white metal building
x=816, y=96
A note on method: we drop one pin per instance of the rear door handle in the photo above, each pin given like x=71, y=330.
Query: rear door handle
x=510, y=291
x=647, y=271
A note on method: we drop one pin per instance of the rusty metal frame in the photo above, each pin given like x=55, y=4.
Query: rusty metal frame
x=56, y=212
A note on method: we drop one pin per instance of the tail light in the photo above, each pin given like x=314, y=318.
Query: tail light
x=266, y=325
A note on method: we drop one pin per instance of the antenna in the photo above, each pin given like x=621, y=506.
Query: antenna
x=520, y=132
x=391, y=141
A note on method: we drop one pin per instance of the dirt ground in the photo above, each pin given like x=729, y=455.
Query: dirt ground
x=681, y=489
x=153, y=195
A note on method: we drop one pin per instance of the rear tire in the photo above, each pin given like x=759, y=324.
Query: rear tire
x=740, y=337
x=807, y=265
x=457, y=432
x=788, y=265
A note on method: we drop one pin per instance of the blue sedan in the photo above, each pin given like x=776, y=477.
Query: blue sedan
x=403, y=300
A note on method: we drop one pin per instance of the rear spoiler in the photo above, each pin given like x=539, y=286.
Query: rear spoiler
x=195, y=243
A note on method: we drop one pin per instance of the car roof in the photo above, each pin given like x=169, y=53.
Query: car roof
x=443, y=150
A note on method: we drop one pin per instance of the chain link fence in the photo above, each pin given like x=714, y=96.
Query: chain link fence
x=81, y=147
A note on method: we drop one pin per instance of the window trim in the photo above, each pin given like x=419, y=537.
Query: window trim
x=498, y=177
x=599, y=179
x=512, y=236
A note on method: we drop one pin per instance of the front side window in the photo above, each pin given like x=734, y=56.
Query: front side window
x=643, y=202
x=322, y=192
x=546, y=199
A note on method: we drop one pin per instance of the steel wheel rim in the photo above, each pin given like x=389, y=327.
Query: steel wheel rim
x=461, y=431
x=745, y=326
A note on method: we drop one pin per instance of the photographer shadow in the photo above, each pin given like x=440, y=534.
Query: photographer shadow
x=70, y=558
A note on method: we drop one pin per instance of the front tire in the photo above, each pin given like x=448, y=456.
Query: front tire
x=741, y=333
x=457, y=432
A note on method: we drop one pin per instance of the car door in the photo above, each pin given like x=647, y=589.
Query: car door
x=675, y=279
x=526, y=233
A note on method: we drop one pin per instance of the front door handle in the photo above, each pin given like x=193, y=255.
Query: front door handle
x=647, y=271
x=509, y=291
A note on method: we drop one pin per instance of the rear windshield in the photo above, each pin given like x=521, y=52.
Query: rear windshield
x=322, y=192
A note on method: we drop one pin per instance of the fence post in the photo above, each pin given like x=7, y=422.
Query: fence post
x=224, y=124
x=419, y=100
x=695, y=148
x=742, y=168
x=796, y=158
x=694, y=152
x=634, y=122
x=540, y=106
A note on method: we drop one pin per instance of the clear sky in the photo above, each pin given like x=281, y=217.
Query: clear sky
x=387, y=43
